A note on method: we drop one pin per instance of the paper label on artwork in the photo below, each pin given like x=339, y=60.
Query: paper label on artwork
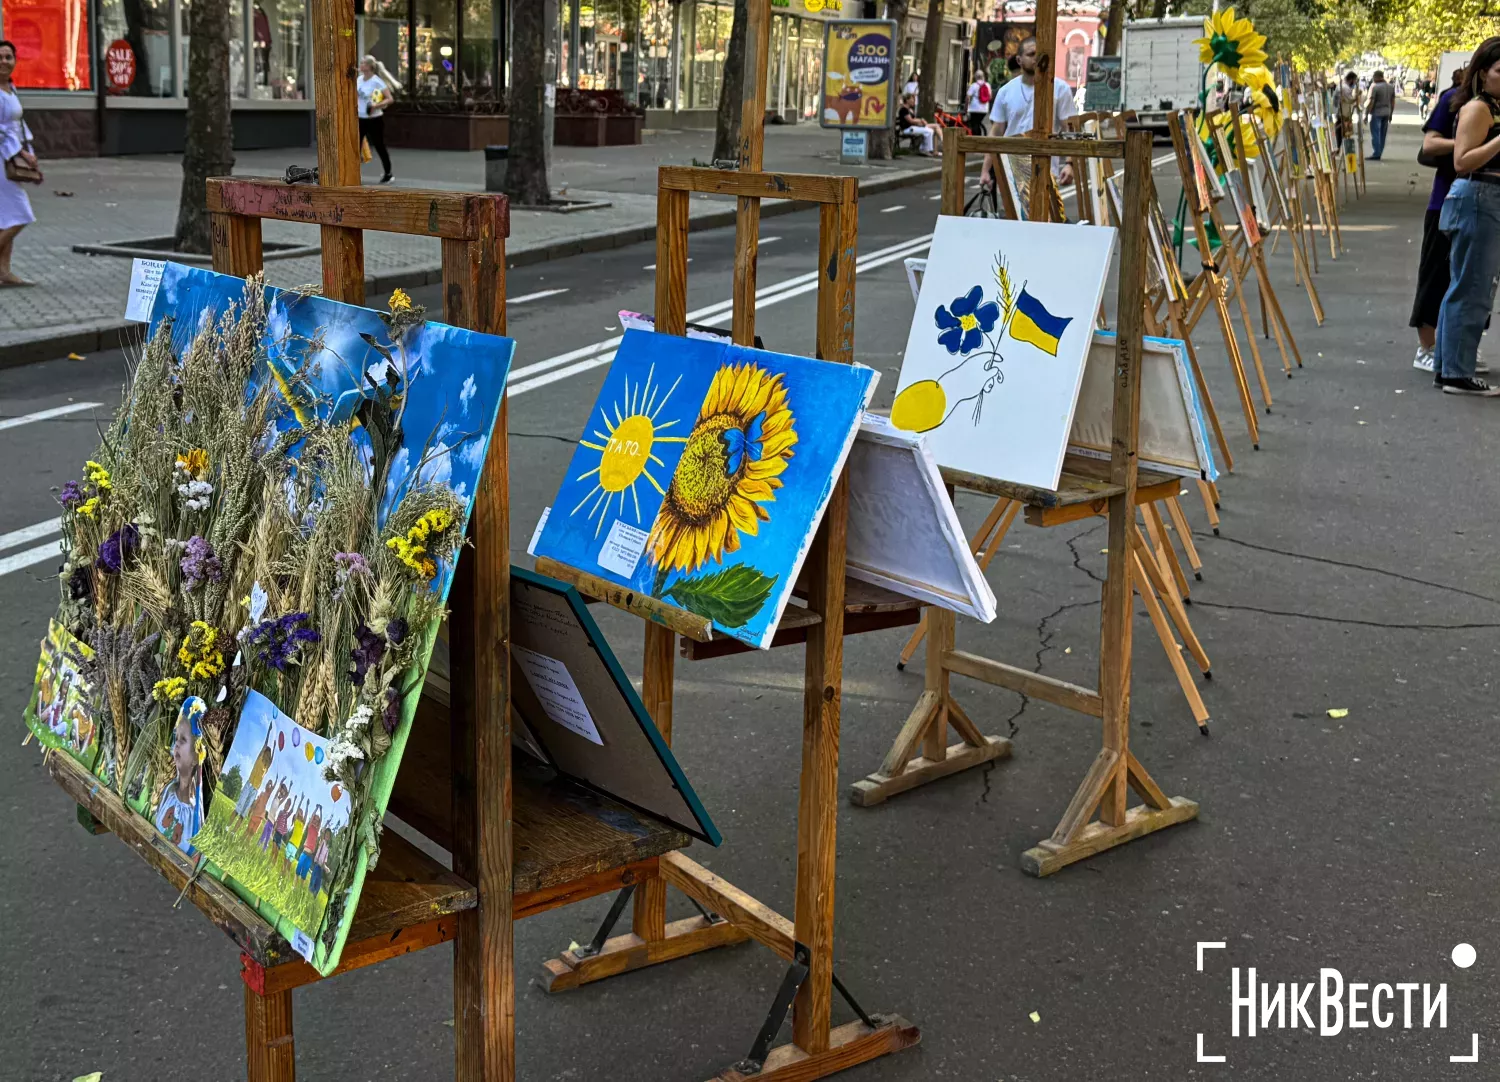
x=622, y=548
x=559, y=695
x=145, y=277
x=303, y=944
x=536, y=534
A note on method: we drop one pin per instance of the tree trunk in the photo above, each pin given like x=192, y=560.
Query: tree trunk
x=1158, y=9
x=1115, y=28
x=882, y=141
x=530, y=115
x=932, y=51
x=732, y=89
x=209, y=145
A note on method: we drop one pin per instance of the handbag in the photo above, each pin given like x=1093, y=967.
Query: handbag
x=20, y=171
x=364, y=150
x=1432, y=161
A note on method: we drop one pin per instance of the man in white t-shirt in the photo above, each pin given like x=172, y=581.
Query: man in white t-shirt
x=1014, y=107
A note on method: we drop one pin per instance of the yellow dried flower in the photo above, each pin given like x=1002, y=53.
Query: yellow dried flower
x=89, y=506
x=400, y=302
x=195, y=462
x=98, y=476
x=170, y=690
x=197, y=653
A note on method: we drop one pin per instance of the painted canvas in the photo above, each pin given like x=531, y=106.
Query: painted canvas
x=702, y=474
x=903, y=532
x=276, y=820
x=997, y=347
x=1173, y=427
x=59, y=712
x=268, y=531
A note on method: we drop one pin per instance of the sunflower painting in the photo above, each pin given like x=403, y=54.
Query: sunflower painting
x=703, y=473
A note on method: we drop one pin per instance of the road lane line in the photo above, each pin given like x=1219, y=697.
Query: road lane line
x=893, y=210
x=47, y=415
x=30, y=533
x=716, y=313
x=536, y=296
x=40, y=554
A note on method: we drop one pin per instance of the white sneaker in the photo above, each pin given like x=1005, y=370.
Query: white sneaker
x=1425, y=360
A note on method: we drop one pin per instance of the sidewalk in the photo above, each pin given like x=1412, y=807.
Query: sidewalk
x=78, y=300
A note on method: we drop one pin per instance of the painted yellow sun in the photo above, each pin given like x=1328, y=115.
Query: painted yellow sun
x=625, y=449
x=731, y=466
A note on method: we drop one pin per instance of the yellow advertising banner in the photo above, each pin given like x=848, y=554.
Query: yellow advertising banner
x=859, y=73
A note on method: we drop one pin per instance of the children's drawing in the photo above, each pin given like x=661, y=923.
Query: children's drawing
x=179, y=811
x=702, y=474
x=275, y=820
x=59, y=712
x=996, y=350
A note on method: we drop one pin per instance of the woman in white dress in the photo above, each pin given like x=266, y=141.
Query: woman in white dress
x=15, y=138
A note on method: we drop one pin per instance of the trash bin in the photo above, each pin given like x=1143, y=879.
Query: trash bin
x=496, y=161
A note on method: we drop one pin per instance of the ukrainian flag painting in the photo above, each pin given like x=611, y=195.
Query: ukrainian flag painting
x=1034, y=324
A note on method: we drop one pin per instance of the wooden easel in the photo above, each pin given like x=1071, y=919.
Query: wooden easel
x=818, y=1048
x=1087, y=487
x=1284, y=217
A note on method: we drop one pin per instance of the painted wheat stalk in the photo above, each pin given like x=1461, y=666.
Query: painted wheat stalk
x=1006, y=291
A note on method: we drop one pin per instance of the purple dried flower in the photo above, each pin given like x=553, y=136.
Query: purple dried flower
x=72, y=495
x=200, y=564
x=390, y=717
x=367, y=654
x=117, y=548
x=395, y=631
x=351, y=564
x=276, y=641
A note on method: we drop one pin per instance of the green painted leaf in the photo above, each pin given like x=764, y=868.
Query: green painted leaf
x=729, y=597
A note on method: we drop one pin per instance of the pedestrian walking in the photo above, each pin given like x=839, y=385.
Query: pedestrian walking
x=1471, y=219
x=1380, y=107
x=20, y=167
x=1014, y=108
x=979, y=95
x=1432, y=264
x=375, y=88
x=911, y=83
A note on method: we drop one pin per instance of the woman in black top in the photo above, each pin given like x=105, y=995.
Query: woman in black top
x=1471, y=219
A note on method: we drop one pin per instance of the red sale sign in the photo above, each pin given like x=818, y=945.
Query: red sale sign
x=119, y=66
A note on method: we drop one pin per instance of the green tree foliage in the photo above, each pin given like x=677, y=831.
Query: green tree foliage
x=230, y=783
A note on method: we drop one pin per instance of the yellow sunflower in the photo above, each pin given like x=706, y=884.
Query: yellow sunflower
x=730, y=466
x=1231, y=43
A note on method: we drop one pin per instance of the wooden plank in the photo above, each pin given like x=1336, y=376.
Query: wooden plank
x=803, y=187
x=419, y=211
x=629, y=952
x=590, y=886
x=671, y=260
x=269, y=1052
x=269, y=980
x=847, y=1046
x=879, y=787
x=1058, y=516
x=1028, y=146
x=1071, y=488
x=1049, y=857
x=651, y=609
x=929, y=705
x=1043, y=107
x=236, y=243
x=219, y=904
x=750, y=159
x=337, y=126
x=1037, y=685
x=855, y=623
x=648, y=918
x=718, y=895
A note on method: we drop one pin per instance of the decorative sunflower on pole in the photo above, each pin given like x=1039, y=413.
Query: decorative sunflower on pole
x=1231, y=45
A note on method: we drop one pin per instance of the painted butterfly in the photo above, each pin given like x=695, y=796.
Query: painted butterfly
x=743, y=443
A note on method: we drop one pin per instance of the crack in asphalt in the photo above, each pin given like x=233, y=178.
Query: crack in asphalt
x=543, y=436
x=1348, y=620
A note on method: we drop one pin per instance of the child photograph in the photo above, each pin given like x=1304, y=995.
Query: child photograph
x=179, y=812
x=274, y=820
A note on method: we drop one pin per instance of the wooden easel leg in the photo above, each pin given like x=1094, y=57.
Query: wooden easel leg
x=1210, y=504
x=1236, y=278
x=269, y=1053
x=1283, y=332
x=1169, y=644
x=927, y=725
x=1236, y=360
x=1166, y=556
x=1185, y=536
x=1162, y=584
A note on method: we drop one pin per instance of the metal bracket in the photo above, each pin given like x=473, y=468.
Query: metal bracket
x=726, y=163
x=299, y=174
x=796, y=973
x=708, y=914
x=853, y=1005
x=611, y=918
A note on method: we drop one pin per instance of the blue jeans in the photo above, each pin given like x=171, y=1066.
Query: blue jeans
x=1471, y=219
x=1379, y=125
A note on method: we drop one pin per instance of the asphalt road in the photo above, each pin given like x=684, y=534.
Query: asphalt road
x=1354, y=572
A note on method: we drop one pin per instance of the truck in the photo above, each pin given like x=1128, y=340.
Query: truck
x=1450, y=63
x=1161, y=69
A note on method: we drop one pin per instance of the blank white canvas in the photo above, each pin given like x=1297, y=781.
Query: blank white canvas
x=903, y=533
x=1173, y=432
x=1007, y=405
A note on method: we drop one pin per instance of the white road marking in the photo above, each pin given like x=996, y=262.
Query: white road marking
x=42, y=553
x=30, y=533
x=47, y=415
x=652, y=266
x=535, y=296
x=573, y=362
x=769, y=240
x=892, y=210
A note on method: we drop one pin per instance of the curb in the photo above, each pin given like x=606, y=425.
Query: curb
x=86, y=338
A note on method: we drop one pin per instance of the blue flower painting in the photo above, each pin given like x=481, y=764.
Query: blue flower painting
x=702, y=474
x=966, y=321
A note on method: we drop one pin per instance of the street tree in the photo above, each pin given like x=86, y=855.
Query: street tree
x=208, y=149
x=732, y=88
x=932, y=44
x=526, y=168
x=882, y=141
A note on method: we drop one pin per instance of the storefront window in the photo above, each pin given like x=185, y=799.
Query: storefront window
x=481, y=50
x=435, y=54
x=135, y=39
x=237, y=86
x=711, y=26
x=52, y=43
x=384, y=35
x=603, y=44
x=657, y=87
x=805, y=64
x=279, y=31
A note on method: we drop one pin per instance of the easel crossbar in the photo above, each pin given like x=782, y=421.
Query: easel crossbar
x=806, y=187
x=448, y=215
x=1021, y=146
